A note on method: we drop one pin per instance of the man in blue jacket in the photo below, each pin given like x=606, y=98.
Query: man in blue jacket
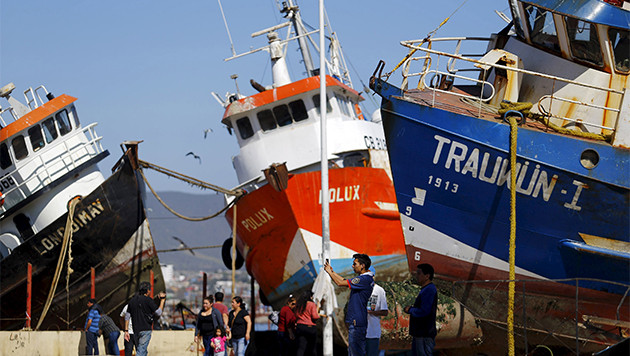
x=422, y=313
x=360, y=292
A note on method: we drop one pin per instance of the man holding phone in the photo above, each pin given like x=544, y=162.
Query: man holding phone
x=360, y=291
x=141, y=309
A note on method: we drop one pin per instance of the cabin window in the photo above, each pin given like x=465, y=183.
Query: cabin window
x=5, y=158
x=245, y=128
x=63, y=122
x=343, y=104
x=542, y=30
x=316, y=103
x=36, y=137
x=266, y=120
x=584, y=41
x=620, y=41
x=282, y=114
x=75, y=116
x=19, y=147
x=298, y=110
x=50, y=132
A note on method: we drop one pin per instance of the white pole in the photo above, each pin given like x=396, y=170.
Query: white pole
x=328, y=325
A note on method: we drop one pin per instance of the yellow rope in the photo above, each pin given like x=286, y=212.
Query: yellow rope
x=178, y=214
x=512, y=257
x=427, y=38
x=524, y=107
x=67, y=237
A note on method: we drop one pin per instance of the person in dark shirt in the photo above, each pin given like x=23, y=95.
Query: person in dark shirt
x=240, y=326
x=91, y=327
x=141, y=309
x=208, y=320
x=422, y=313
x=110, y=333
x=360, y=292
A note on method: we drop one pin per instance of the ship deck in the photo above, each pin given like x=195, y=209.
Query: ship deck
x=469, y=106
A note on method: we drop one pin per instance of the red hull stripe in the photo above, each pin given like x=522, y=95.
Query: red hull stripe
x=286, y=91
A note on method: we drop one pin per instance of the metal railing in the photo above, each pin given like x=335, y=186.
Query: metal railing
x=17, y=187
x=483, y=68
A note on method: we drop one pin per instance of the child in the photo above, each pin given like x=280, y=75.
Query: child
x=218, y=343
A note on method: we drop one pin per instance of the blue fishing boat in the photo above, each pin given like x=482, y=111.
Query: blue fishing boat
x=559, y=73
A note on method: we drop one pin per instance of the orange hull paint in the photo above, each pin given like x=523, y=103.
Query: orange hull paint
x=268, y=221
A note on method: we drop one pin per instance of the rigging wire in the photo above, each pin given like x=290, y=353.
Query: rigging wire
x=227, y=29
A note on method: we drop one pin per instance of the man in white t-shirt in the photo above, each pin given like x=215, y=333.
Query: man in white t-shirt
x=129, y=345
x=377, y=307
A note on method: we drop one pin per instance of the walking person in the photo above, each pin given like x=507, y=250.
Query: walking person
x=91, y=327
x=377, y=307
x=208, y=320
x=240, y=326
x=132, y=342
x=423, y=312
x=141, y=309
x=360, y=292
x=286, y=328
x=306, y=314
x=110, y=333
x=218, y=304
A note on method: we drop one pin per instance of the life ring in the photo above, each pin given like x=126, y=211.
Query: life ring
x=1, y=199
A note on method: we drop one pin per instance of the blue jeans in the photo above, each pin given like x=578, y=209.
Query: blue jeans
x=422, y=346
x=239, y=346
x=207, y=349
x=91, y=341
x=356, y=340
x=143, y=342
x=371, y=346
x=112, y=343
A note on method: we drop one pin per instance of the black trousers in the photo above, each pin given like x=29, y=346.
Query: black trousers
x=306, y=339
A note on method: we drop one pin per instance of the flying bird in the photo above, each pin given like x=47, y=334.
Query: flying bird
x=194, y=156
x=182, y=245
x=205, y=133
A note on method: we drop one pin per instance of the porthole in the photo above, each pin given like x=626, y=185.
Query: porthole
x=589, y=159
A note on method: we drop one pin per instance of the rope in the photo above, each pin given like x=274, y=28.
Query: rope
x=427, y=38
x=234, y=251
x=67, y=237
x=512, y=257
x=180, y=215
x=524, y=107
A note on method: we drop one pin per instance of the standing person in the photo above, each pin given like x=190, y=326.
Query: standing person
x=218, y=304
x=422, y=313
x=218, y=342
x=110, y=333
x=306, y=314
x=360, y=291
x=132, y=342
x=286, y=326
x=208, y=320
x=91, y=327
x=141, y=309
x=377, y=307
x=240, y=326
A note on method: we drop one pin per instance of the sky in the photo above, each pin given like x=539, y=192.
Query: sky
x=145, y=70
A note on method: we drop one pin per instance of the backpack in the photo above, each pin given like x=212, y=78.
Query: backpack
x=274, y=317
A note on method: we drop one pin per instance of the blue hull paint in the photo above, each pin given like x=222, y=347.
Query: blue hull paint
x=557, y=198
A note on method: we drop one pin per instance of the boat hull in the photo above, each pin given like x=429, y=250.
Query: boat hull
x=451, y=174
x=110, y=234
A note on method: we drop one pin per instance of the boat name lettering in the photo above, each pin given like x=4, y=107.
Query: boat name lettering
x=81, y=219
x=459, y=159
x=377, y=143
x=257, y=220
x=336, y=195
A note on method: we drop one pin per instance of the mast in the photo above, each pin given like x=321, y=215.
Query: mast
x=293, y=13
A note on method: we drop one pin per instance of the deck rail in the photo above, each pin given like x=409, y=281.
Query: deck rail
x=483, y=68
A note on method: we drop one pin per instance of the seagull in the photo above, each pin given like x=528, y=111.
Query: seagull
x=183, y=245
x=194, y=156
x=205, y=133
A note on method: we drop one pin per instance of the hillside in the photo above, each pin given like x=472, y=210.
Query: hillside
x=164, y=225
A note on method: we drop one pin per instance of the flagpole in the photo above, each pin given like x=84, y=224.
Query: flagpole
x=328, y=326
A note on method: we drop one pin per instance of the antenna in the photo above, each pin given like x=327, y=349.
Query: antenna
x=227, y=29
x=234, y=76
